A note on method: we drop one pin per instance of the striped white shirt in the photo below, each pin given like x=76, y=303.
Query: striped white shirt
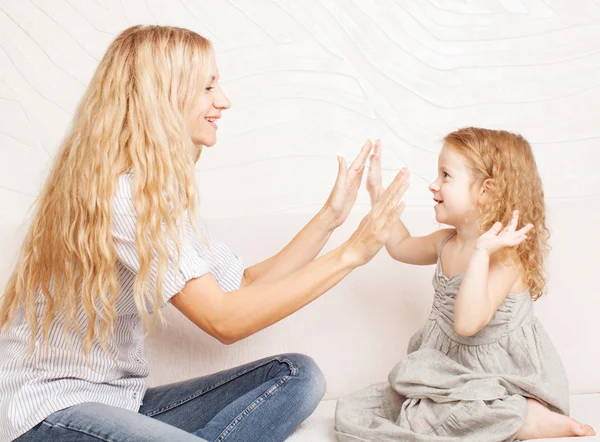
x=33, y=387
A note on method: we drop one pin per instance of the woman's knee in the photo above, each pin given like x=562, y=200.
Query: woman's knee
x=311, y=381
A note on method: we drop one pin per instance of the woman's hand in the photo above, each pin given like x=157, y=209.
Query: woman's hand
x=498, y=238
x=346, y=186
x=375, y=228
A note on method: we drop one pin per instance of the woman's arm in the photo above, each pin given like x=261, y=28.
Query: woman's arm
x=232, y=316
x=303, y=248
x=309, y=242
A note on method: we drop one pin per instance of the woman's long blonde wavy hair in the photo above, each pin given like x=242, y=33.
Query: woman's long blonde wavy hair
x=132, y=118
x=506, y=159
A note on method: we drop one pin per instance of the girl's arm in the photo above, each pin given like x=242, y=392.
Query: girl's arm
x=309, y=242
x=488, y=279
x=483, y=289
x=420, y=250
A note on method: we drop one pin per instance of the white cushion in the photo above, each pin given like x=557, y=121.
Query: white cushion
x=319, y=426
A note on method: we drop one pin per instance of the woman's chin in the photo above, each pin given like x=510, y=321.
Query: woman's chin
x=205, y=143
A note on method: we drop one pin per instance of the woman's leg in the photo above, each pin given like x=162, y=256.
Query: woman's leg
x=93, y=422
x=542, y=423
x=261, y=401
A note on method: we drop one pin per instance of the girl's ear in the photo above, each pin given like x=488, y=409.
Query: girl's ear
x=486, y=188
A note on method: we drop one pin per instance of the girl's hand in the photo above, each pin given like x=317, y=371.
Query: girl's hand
x=374, y=229
x=374, y=185
x=346, y=186
x=498, y=238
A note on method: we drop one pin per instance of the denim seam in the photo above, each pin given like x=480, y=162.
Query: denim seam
x=194, y=395
x=77, y=430
x=270, y=391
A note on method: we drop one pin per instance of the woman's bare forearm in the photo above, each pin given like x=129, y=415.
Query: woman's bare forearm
x=301, y=250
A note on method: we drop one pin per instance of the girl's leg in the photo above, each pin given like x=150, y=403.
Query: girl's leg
x=260, y=401
x=543, y=423
x=93, y=422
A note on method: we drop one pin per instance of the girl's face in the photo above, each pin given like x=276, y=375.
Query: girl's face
x=206, y=111
x=453, y=191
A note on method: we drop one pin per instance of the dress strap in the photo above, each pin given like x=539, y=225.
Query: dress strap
x=445, y=241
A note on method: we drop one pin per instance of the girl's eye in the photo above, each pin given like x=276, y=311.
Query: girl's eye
x=445, y=174
x=209, y=88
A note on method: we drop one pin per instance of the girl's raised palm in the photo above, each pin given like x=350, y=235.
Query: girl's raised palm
x=498, y=238
x=374, y=229
x=374, y=183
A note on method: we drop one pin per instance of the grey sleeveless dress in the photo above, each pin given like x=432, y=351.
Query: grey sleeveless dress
x=454, y=388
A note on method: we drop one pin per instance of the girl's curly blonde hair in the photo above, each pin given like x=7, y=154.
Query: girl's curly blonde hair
x=506, y=160
x=132, y=118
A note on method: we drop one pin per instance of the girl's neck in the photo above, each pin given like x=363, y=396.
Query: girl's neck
x=467, y=235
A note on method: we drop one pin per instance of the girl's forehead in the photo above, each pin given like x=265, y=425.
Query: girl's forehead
x=450, y=156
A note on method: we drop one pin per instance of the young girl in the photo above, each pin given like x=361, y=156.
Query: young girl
x=482, y=368
x=114, y=240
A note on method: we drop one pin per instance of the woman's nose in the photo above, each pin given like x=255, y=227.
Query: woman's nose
x=221, y=101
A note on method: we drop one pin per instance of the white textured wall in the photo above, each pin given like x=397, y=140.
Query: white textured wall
x=310, y=79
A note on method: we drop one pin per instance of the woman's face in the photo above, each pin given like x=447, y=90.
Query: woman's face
x=206, y=111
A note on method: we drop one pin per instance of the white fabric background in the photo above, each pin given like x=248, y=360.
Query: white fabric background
x=312, y=79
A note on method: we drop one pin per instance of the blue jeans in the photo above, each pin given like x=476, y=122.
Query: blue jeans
x=262, y=401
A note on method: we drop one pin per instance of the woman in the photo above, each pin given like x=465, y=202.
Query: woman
x=114, y=239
